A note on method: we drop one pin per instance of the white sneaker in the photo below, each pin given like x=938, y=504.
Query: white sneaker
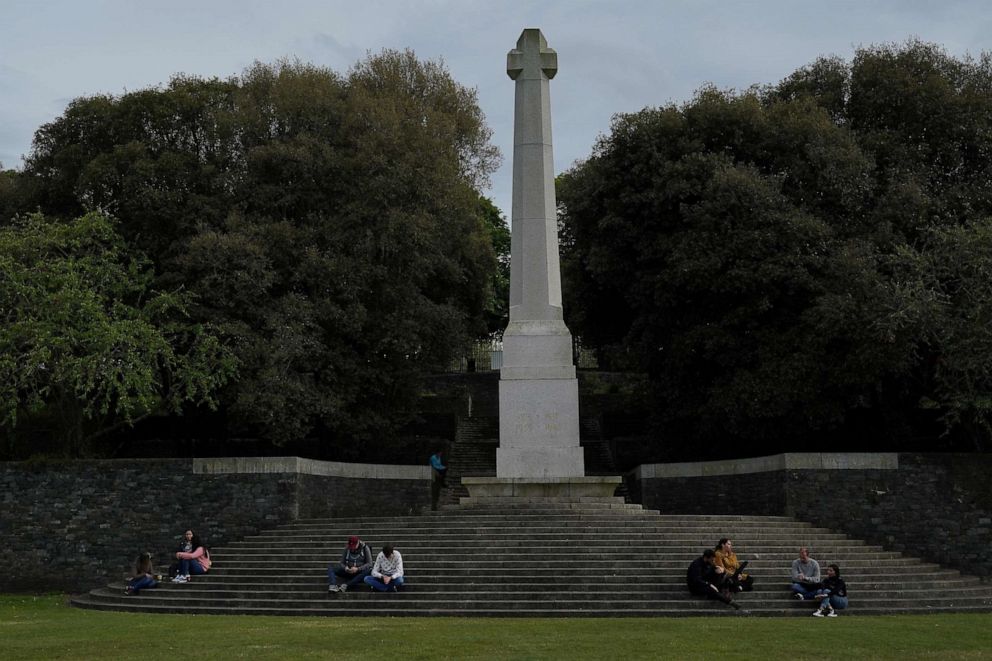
x=181, y=579
x=818, y=612
x=831, y=613
x=342, y=588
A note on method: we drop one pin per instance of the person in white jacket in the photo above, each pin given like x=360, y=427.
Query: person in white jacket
x=387, y=572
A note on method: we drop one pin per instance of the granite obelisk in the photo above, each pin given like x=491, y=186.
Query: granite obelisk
x=538, y=391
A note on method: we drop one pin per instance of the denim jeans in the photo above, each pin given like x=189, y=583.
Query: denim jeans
x=799, y=589
x=141, y=582
x=351, y=580
x=377, y=584
x=187, y=567
x=838, y=603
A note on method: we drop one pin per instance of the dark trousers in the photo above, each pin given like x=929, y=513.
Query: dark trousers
x=351, y=580
x=745, y=583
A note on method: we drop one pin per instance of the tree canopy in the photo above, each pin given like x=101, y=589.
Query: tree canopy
x=804, y=262
x=327, y=225
x=85, y=343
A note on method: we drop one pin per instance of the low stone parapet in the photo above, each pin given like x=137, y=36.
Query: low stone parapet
x=73, y=525
x=937, y=506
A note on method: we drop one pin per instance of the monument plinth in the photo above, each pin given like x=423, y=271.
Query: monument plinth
x=538, y=391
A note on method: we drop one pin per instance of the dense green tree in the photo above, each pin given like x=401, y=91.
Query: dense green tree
x=329, y=225
x=788, y=262
x=86, y=345
x=498, y=306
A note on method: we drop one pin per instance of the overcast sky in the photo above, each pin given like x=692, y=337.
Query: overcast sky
x=615, y=56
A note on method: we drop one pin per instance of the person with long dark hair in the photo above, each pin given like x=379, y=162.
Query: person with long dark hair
x=193, y=562
x=144, y=575
x=832, y=594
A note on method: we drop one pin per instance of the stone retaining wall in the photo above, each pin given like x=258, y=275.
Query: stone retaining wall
x=934, y=506
x=74, y=525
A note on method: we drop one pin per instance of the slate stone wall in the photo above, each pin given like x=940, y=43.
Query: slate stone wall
x=934, y=506
x=753, y=493
x=74, y=526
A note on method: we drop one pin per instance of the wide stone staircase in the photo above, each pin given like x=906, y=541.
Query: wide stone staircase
x=575, y=559
x=473, y=454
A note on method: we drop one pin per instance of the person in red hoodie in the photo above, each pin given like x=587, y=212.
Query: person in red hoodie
x=196, y=561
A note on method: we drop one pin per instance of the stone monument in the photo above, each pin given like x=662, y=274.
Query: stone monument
x=539, y=456
x=538, y=391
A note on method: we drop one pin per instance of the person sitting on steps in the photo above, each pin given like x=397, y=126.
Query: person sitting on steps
x=726, y=558
x=143, y=575
x=832, y=594
x=387, y=572
x=355, y=565
x=805, y=575
x=705, y=579
x=193, y=562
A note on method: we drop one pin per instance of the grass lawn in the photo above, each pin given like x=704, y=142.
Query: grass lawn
x=47, y=628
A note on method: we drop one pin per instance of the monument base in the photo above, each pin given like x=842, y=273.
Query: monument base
x=539, y=429
x=574, y=489
x=539, y=463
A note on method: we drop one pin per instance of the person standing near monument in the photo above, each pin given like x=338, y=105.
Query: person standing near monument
x=805, y=575
x=438, y=472
x=438, y=467
x=355, y=565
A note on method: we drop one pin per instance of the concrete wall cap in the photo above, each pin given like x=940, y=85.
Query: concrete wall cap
x=787, y=461
x=301, y=466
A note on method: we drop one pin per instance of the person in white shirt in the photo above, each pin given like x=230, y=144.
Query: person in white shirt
x=387, y=572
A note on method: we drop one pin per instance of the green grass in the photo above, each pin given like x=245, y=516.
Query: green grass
x=47, y=628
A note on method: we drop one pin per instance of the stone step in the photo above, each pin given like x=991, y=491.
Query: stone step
x=427, y=548
x=592, y=582
x=608, y=520
x=512, y=568
x=672, y=519
x=385, y=608
x=409, y=600
x=529, y=590
x=695, y=543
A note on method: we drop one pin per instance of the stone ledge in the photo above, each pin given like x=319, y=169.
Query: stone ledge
x=777, y=462
x=301, y=466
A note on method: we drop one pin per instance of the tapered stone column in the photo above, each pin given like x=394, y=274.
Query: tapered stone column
x=538, y=391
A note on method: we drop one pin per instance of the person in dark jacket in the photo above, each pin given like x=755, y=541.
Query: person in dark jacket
x=355, y=565
x=832, y=594
x=705, y=579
